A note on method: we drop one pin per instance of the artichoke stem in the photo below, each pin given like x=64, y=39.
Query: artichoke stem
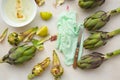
x=114, y=12
x=57, y=78
x=113, y=33
x=112, y=54
x=31, y=76
x=1, y=61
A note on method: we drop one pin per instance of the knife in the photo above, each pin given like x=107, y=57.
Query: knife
x=77, y=49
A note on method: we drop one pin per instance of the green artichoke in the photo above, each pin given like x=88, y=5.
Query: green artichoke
x=99, y=19
x=95, y=59
x=89, y=4
x=19, y=54
x=98, y=39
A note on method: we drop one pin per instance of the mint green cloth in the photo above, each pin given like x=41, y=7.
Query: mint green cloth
x=68, y=31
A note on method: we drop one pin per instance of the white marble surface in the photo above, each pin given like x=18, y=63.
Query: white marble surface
x=110, y=70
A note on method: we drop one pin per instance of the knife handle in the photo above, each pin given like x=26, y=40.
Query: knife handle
x=75, y=58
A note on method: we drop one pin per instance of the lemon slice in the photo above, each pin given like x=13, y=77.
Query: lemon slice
x=43, y=31
x=45, y=15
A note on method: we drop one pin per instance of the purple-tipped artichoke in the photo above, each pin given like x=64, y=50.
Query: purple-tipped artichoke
x=95, y=59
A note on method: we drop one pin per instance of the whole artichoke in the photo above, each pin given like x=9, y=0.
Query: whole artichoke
x=19, y=54
x=95, y=59
x=98, y=39
x=89, y=4
x=99, y=19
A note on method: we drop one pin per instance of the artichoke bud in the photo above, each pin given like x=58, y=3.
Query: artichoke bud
x=91, y=61
x=96, y=40
x=95, y=59
x=96, y=21
x=19, y=54
x=89, y=4
x=57, y=70
x=39, y=68
x=14, y=38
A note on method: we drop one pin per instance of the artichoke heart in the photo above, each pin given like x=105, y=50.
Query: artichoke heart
x=39, y=68
x=56, y=70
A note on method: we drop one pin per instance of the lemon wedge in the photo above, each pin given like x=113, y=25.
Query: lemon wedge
x=45, y=15
x=42, y=31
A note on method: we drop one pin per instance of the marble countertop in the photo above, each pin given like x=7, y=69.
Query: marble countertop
x=109, y=70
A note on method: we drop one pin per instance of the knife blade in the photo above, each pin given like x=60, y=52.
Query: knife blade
x=77, y=49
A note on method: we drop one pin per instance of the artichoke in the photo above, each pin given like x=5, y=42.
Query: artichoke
x=95, y=59
x=19, y=54
x=98, y=39
x=56, y=70
x=99, y=19
x=15, y=38
x=89, y=4
x=39, y=68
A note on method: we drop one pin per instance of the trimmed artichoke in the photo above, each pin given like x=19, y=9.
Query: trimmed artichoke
x=39, y=68
x=15, y=38
x=98, y=39
x=57, y=70
x=19, y=54
x=99, y=19
x=89, y=4
x=95, y=59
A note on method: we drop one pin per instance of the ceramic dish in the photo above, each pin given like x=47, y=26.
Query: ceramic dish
x=16, y=13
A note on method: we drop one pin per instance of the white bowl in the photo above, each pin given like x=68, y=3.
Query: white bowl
x=9, y=20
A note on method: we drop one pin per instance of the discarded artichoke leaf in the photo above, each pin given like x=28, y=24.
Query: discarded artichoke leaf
x=4, y=34
x=39, y=68
x=59, y=2
x=40, y=2
x=42, y=40
x=29, y=37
